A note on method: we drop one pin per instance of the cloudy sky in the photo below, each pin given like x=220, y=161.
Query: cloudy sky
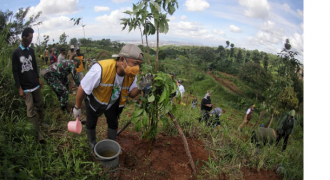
x=250, y=24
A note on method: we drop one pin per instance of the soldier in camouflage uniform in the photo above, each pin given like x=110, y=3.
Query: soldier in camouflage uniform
x=56, y=77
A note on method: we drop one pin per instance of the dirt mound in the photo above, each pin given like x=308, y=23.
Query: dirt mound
x=168, y=159
x=253, y=174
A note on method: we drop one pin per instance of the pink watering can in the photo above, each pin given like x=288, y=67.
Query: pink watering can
x=75, y=126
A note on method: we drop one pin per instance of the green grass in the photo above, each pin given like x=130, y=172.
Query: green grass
x=67, y=156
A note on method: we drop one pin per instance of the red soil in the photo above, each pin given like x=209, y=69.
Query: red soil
x=167, y=160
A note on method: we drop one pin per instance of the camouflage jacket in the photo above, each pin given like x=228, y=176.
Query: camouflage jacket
x=62, y=69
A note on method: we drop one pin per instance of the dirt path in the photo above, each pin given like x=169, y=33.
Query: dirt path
x=228, y=84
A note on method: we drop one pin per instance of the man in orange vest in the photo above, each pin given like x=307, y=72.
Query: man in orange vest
x=106, y=87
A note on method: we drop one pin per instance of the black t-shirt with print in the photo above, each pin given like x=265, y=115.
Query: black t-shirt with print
x=25, y=69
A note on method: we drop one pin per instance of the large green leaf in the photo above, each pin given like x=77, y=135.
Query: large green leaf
x=137, y=112
x=145, y=119
x=154, y=11
x=163, y=96
x=151, y=98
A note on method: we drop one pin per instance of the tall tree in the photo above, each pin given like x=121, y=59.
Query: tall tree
x=73, y=41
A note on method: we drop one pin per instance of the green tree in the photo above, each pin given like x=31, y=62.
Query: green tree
x=63, y=37
x=73, y=41
x=266, y=59
x=239, y=57
x=76, y=21
x=227, y=43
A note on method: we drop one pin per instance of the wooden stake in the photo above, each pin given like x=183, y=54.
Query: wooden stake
x=185, y=143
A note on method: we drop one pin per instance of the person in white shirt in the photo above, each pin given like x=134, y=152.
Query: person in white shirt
x=62, y=55
x=106, y=87
x=181, y=87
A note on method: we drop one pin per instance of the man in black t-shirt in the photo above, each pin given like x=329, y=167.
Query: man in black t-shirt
x=27, y=80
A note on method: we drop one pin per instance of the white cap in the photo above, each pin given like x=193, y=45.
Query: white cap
x=72, y=46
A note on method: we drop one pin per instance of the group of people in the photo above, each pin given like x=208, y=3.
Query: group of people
x=104, y=89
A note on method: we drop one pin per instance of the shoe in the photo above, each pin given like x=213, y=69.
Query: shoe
x=45, y=125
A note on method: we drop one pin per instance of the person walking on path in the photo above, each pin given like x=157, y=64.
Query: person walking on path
x=206, y=107
x=56, y=77
x=62, y=55
x=247, y=117
x=194, y=103
x=106, y=87
x=46, y=55
x=28, y=82
x=285, y=128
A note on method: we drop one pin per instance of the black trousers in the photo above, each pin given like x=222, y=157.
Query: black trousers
x=286, y=137
x=112, y=115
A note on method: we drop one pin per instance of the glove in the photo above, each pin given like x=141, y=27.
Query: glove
x=145, y=81
x=76, y=112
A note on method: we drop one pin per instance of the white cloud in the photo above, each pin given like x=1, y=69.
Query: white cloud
x=300, y=12
x=256, y=8
x=302, y=25
x=268, y=26
x=235, y=29
x=196, y=5
x=120, y=1
x=191, y=26
x=183, y=17
x=172, y=18
x=286, y=7
x=218, y=32
x=55, y=7
x=113, y=18
x=101, y=8
x=61, y=22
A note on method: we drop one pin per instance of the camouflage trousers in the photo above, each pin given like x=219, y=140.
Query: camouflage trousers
x=60, y=90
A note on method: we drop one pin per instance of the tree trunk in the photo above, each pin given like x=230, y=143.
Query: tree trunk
x=261, y=114
x=145, y=23
x=185, y=143
x=270, y=121
x=157, y=50
x=189, y=77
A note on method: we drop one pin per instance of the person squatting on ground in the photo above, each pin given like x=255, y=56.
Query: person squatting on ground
x=56, y=77
x=28, y=82
x=206, y=107
x=106, y=87
x=247, y=117
x=285, y=128
x=214, y=118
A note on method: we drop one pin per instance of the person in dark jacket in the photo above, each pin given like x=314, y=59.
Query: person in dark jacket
x=28, y=82
x=206, y=107
x=285, y=128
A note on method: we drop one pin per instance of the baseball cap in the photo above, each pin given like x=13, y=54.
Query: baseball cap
x=131, y=51
x=72, y=46
x=78, y=48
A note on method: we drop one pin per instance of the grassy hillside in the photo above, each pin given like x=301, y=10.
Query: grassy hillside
x=67, y=156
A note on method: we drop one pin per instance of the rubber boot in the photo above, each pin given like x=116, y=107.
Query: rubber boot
x=112, y=133
x=35, y=122
x=91, y=135
x=41, y=120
